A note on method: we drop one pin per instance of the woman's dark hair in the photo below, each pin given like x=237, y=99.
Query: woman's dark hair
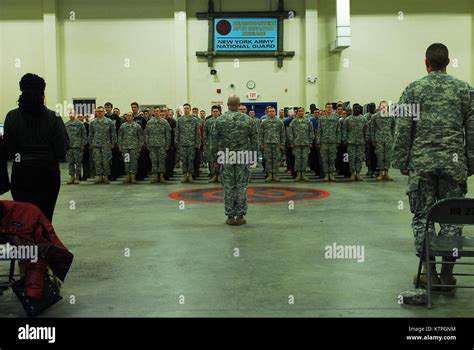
x=32, y=87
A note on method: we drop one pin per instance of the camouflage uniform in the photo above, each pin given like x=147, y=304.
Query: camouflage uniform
x=272, y=137
x=355, y=135
x=158, y=141
x=301, y=135
x=434, y=148
x=130, y=141
x=328, y=137
x=236, y=132
x=77, y=140
x=102, y=137
x=188, y=139
x=208, y=155
x=382, y=128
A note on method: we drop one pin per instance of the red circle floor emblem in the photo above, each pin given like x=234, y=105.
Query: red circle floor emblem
x=255, y=194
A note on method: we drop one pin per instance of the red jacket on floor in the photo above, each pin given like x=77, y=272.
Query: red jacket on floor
x=25, y=224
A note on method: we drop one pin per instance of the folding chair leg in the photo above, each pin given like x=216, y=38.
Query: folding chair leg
x=428, y=274
x=418, y=275
x=12, y=271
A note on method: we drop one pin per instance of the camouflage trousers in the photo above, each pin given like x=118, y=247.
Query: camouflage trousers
x=235, y=179
x=301, y=154
x=158, y=157
x=424, y=190
x=328, y=157
x=383, y=152
x=272, y=155
x=130, y=159
x=186, y=155
x=102, y=157
x=212, y=160
x=74, y=159
x=356, y=157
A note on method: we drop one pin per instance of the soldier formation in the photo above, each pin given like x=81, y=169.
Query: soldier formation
x=154, y=143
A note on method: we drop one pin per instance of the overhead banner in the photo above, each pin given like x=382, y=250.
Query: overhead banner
x=245, y=34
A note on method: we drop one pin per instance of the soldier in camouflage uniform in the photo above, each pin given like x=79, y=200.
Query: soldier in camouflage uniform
x=158, y=141
x=77, y=140
x=102, y=138
x=301, y=135
x=210, y=157
x=436, y=148
x=234, y=131
x=130, y=141
x=355, y=136
x=382, y=128
x=272, y=142
x=188, y=139
x=328, y=137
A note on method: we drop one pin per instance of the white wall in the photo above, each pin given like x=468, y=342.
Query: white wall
x=386, y=52
x=117, y=51
x=21, y=47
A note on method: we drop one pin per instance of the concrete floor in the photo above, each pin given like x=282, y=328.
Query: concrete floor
x=190, y=253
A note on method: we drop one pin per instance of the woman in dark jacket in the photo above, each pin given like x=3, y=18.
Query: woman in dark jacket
x=36, y=140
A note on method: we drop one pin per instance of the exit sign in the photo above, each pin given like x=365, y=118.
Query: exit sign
x=253, y=95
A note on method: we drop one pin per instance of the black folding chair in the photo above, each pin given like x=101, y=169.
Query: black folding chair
x=454, y=211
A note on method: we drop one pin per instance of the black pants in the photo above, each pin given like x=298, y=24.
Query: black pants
x=115, y=167
x=170, y=162
x=197, y=162
x=315, y=160
x=144, y=162
x=86, y=158
x=36, y=182
x=290, y=160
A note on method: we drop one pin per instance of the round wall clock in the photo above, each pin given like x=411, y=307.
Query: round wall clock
x=251, y=84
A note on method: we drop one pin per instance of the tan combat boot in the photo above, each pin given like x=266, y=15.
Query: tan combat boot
x=127, y=179
x=387, y=177
x=332, y=178
x=358, y=177
x=381, y=175
x=327, y=178
x=98, y=180
x=446, y=276
x=298, y=176
x=71, y=180
x=184, y=179
x=213, y=179
x=76, y=180
x=304, y=177
x=275, y=178
x=162, y=178
x=105, y=179
x=240, y=220
x=155, y=179
x=268, y=178
x=230, y=220
x=353, y=176
x=190, y=178
x=424, y=278
x=132, y=178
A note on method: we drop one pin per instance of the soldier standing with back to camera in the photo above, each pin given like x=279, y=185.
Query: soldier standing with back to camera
x=234, y=131
x=435, y=149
